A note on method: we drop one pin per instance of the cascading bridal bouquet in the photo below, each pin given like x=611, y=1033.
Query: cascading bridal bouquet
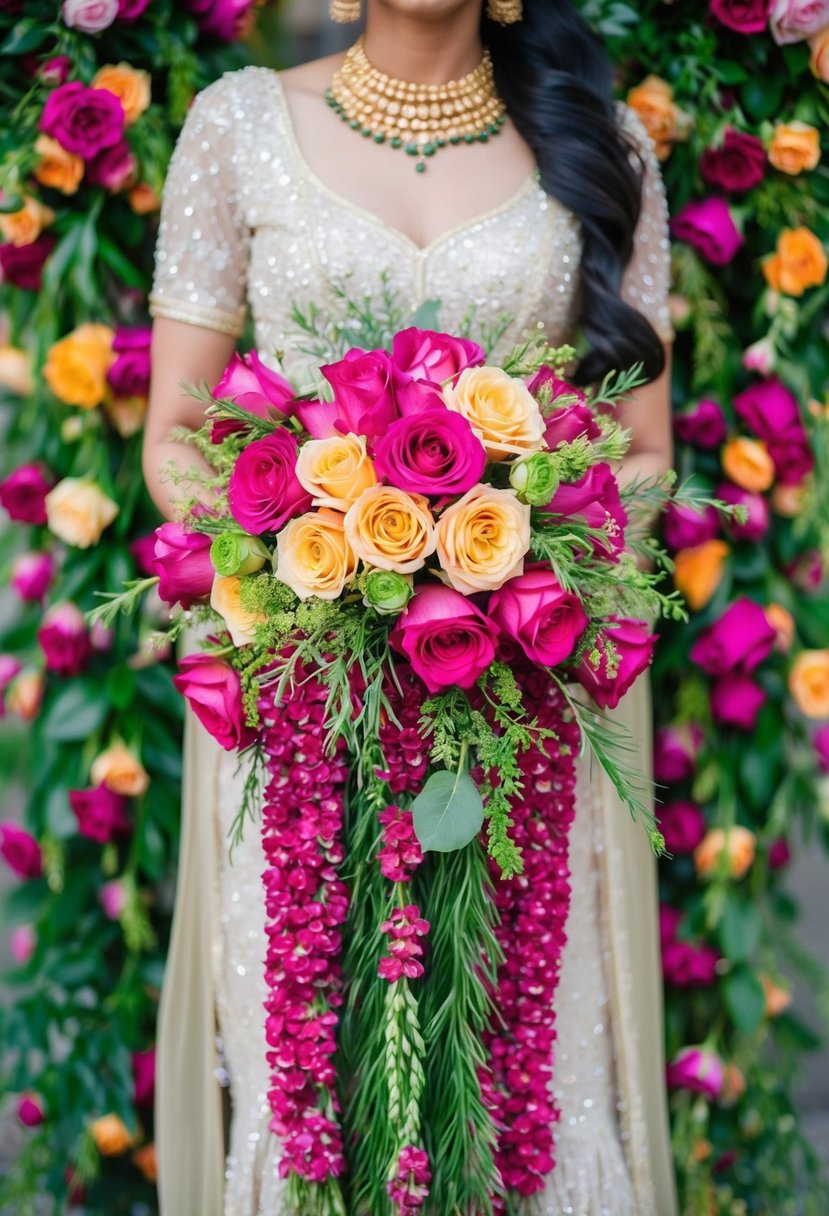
x=411, y=574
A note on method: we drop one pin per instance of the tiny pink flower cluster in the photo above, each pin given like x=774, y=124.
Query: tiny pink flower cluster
x=403, y=928
x=410, y=1186
x=400, y=853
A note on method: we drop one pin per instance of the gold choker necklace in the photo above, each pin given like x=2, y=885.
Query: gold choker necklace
x=420, y=118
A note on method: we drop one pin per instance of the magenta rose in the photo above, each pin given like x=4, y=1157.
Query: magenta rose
x=424, y=360
x=214, y=691
x=248, y=383
x=793, y=456
x=55, y=70
x=83, y=120
x=535, y=611
x=30, y=1110
x=100, y=813
x=708, y=226
x=64, y=639
x=739, y=640
x=432, y=452
x=738, y=165
x=821, y=746
x=675, y=751
x=20, y=851
x=757, y=524
x=22, y=265
x=669, y=921
x=683, y=826
x=131, y=10
x=364, y=400
x=699, y=1070
x=703, y=426
x=23, y=493
x=448, y=641
x=807, y=572
x=143, y=552
x=736, y=700
x=683, y=528
x=129, y=374
x=633, y=644
x=264, y=492
x=143, y=1074
x=779, y=854
x=796, y=20
x=744, y=16
x=686, y=965
x=181, y=559
x=89, y=16
x=569, y=423
x=221, y=19
x=768, y=408
x=32, y=575
x=595, y=499
x=113, y=169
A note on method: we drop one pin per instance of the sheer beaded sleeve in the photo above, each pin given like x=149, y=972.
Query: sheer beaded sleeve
x=202, y=251
x=647, y=279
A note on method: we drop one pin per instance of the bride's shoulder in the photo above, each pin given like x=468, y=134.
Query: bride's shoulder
x=242, y=93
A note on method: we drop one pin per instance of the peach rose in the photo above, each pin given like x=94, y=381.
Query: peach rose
x=76, y=366
x=698, y=571
x=819, y=61
x=500, y=409
x=799, y=263
x=335, y=471
x=226, y=599
x=391, y=530
x=16, y=370
x=23, y=227
x=777, y=998
x=795, y=146
x=782, y=622
x=314, y=556
x=126, y=414
x=737, y=846
x=57, y=168
x=129, y=85
x=483, y=539
x=787, y=501
x=748, y=464
x=111, y=1136
x=734, y=1084
x=78, y=510
x=120, y=770
x=146, y=1160
x=809, y=683
x=143, y=199
x=653, y=101
x=24, y=695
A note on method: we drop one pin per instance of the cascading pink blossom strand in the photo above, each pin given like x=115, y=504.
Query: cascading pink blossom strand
x=533, y=914
x=306, y=906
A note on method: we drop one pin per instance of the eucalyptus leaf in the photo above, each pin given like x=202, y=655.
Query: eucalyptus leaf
x=448, y=812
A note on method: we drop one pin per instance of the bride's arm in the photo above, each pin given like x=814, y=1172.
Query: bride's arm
x=647, y=414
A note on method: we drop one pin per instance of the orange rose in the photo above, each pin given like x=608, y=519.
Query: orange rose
x=734, y=849
x=787, y=501
x=483, y=539
x=782, y=621
x=23, y=227
x=819, y=61
x=126, y=414
x=795, y=146
x=653, y=101
x=748, y=464
x=16, y=370
x=800, y=262
x=77, y=511
x=130, y=86
x=809, y=683
x=226, y=599
x=335, y=471
x=24, y=694
x=500, y=409
x=777, y=998
x=701, y=1150
x=57, y=168
x=76, y=366
x=143, y=199
x=391, y=530
x=120, y=770
x=314, y=556
x=698, y=572
x=146, y=1160
x=111, y=1136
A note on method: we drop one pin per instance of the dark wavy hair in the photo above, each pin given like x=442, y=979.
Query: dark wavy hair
x=555, y=78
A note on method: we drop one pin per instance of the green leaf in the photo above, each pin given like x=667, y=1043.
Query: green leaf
x=426, y=316
x=76, y=711
x=448, y=812
x=745, y=999
x=739, y=929
x=27, y=35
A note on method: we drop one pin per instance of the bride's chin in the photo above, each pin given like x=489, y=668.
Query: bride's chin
x=429, y=9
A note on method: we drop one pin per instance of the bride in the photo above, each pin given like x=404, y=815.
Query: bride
x=560, y=221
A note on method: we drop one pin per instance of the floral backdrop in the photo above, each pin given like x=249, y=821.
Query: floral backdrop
x=734, y=94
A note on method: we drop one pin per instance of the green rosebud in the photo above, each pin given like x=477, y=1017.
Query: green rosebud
x=237, y=553
x=387, y=592
x=535, y=478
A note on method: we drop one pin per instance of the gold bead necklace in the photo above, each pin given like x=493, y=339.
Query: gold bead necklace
x=419, y=118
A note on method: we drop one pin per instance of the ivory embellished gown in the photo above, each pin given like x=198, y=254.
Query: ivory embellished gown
x=246, y=224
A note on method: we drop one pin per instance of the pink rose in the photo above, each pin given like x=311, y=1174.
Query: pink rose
x=424, y=360
x=364, y=401
x=570, y=422
x=703, y=426
x=558, y=387
x=20, y=851
x=744, y=16
x=31, y=575
x=669, y=921
x=89, y=16
x=683, y=528
x=686, y=965
x=595, y=499
x=113, y=169
x=793, y=456
x=143, y=1072
x=143, y=552
x=131, y=10
x=633, y=644
x=181, y=559
x=821, y=746
x=760, y=356
x=253, y=387
x=222, y=19
x=779, y=854
x=22, y=265
x=768, y=408
x=796, y=20
x=739, y=640
x=675, y=751
x=23, y=494
x=736, y=700
x=536, y=612
x=214, y=691
x=448, y=641
x=55, y=70
x=129, y=374
x=757, y=524
x=699, y=1070
x=113, y=898
x=683, y=826
x=708, y=226
x=83, y=120
x=807, y=571
x=432, y=452
x=64, y=639
x=738, y=165
x=264, y=492
x=100, y=813
x=30, y=1110
x=22, y=943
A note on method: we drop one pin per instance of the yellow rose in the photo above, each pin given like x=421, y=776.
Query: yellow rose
x=78, y=510
x=23, y=227
x=782, y=622
x=111, y=1136
x=126, y=414
x=129, y=85
x=809, y=683
x=737, y=846
x=335, y=471
x=787, y=501
x=313, y=556
x=143, y=199
x=748, y=464
x=24, y=694
x=698, y=571
x=483, y=539
x=500, y=409
x=57, y=168
x=800, y=262
x=120, y=770
x=16, y=370
x=653, y=101
x=819, y=61
x=76, y=366
x=777, y=998
x=226, y=599
x=390, y=529
x=795, y=146
x=146, y=1160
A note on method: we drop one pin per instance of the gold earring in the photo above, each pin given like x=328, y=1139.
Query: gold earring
x=505, y=12
x=345, y=11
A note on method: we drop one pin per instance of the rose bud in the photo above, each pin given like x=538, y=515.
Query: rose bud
x=113, y=898
x=756, y=523
x=778, y=998
x=236, y=553
x=214, y=691
x=64, y=639
x=20, y=851
x=252, y=386
x=55, y=70
x=779, y=854
x=30, y=1110
x=182, y=562
x=683, y=826
x=143, y=1072
x=732, y=851
x=32, y=575
x=685, y=528
x=675, y=751
x=535, y=479
x=697, y=1069
x=387, y=592
x=111, y=1136
x=120, y=770
x=23, y=494
x=24, y=695
x=703, y=426
x=100, y=813
x=623, y=650
x=22, y=943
